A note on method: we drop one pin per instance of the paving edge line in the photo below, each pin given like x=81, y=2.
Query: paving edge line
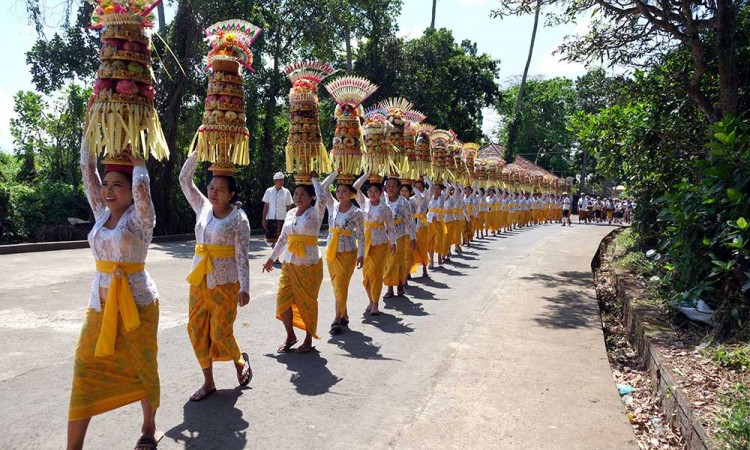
x=642, y=322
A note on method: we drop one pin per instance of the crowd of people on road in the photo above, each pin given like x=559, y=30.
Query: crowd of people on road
x=605, y=210
x=389, y=227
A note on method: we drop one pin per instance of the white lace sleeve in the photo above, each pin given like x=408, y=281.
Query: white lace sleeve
x=322, y=194
x=92, y=183
x=359, y=232
x=358, y=188
x=409, y=221
x=144, y=207
x=194, y=197
x=241, y=246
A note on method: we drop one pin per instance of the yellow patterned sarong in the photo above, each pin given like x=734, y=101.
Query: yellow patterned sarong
x=419, y=254
x=298, y=289
x=341, y=268
x=211, y=323
x=436, y=237
x=394, y=265
x=373, y=268
x=101, y=384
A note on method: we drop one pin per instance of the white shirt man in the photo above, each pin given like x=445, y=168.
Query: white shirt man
x=567, y=204
x=276, y=201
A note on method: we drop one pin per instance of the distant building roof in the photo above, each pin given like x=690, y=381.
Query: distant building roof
x=531, y=167
x=491, y=150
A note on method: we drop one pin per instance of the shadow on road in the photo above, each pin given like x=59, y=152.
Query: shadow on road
x=405, y=306
x=572, y=306
x=447, y=271
x=562, y=279
x=417, y=292
x=311, y=376
x=358, y=345
x=460, y=265
x=388, y=323
x=430, y=282
x=213, y=423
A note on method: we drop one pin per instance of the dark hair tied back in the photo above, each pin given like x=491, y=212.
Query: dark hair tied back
x=231, y=186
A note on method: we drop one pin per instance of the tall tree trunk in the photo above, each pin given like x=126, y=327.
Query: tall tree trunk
x=513, y=128
x=183, y=41
x=348, y=39
x=434, y=7
x=726, y=56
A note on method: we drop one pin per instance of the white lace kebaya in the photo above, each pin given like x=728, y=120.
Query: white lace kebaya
x=306, y=224
x=128, y=241
x=379, y=213
x=352, y=220
x=233, y=229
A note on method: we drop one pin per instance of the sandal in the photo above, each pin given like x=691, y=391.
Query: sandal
x=304, y=348
x=146, y=443
x=199, y=395
x=335, y=328
x=286, y=346
x=344, y=322
x=247, y=372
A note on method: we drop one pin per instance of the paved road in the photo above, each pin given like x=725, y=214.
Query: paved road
x=502, y=348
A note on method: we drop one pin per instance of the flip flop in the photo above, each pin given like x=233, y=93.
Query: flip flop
x=249, y=375
x=197, y=398
x=146, y=443
x=304, y=349
x=286, y=346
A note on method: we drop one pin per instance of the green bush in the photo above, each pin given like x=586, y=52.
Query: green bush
x=706, y=225
x=734, y=423
x=40, y=211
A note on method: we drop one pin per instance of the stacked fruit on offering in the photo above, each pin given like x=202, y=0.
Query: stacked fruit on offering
x=305, y=151
x=223, y=138
x=413, y=119
x=122, y=115
x=422, y=164
x=440, y=140
x=470, y=151
x=396, y=109
x=377, y=159
x=480, y=172
x=346, y=154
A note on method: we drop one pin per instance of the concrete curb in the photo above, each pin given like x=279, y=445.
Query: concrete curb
x=643, y=323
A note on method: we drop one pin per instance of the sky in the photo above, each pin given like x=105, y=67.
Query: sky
x=506, y=39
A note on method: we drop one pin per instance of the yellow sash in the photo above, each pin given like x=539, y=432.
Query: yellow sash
x=333, y=244
x=296, y=243
x=398, y=221
x=368, y=233
x=422, y=217
x=119, y=300
x=208, y=252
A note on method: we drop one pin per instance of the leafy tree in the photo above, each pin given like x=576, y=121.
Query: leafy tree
x=541, y=123
x=637, y=33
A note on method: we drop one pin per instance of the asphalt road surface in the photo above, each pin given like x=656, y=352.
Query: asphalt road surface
x=501, y=348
